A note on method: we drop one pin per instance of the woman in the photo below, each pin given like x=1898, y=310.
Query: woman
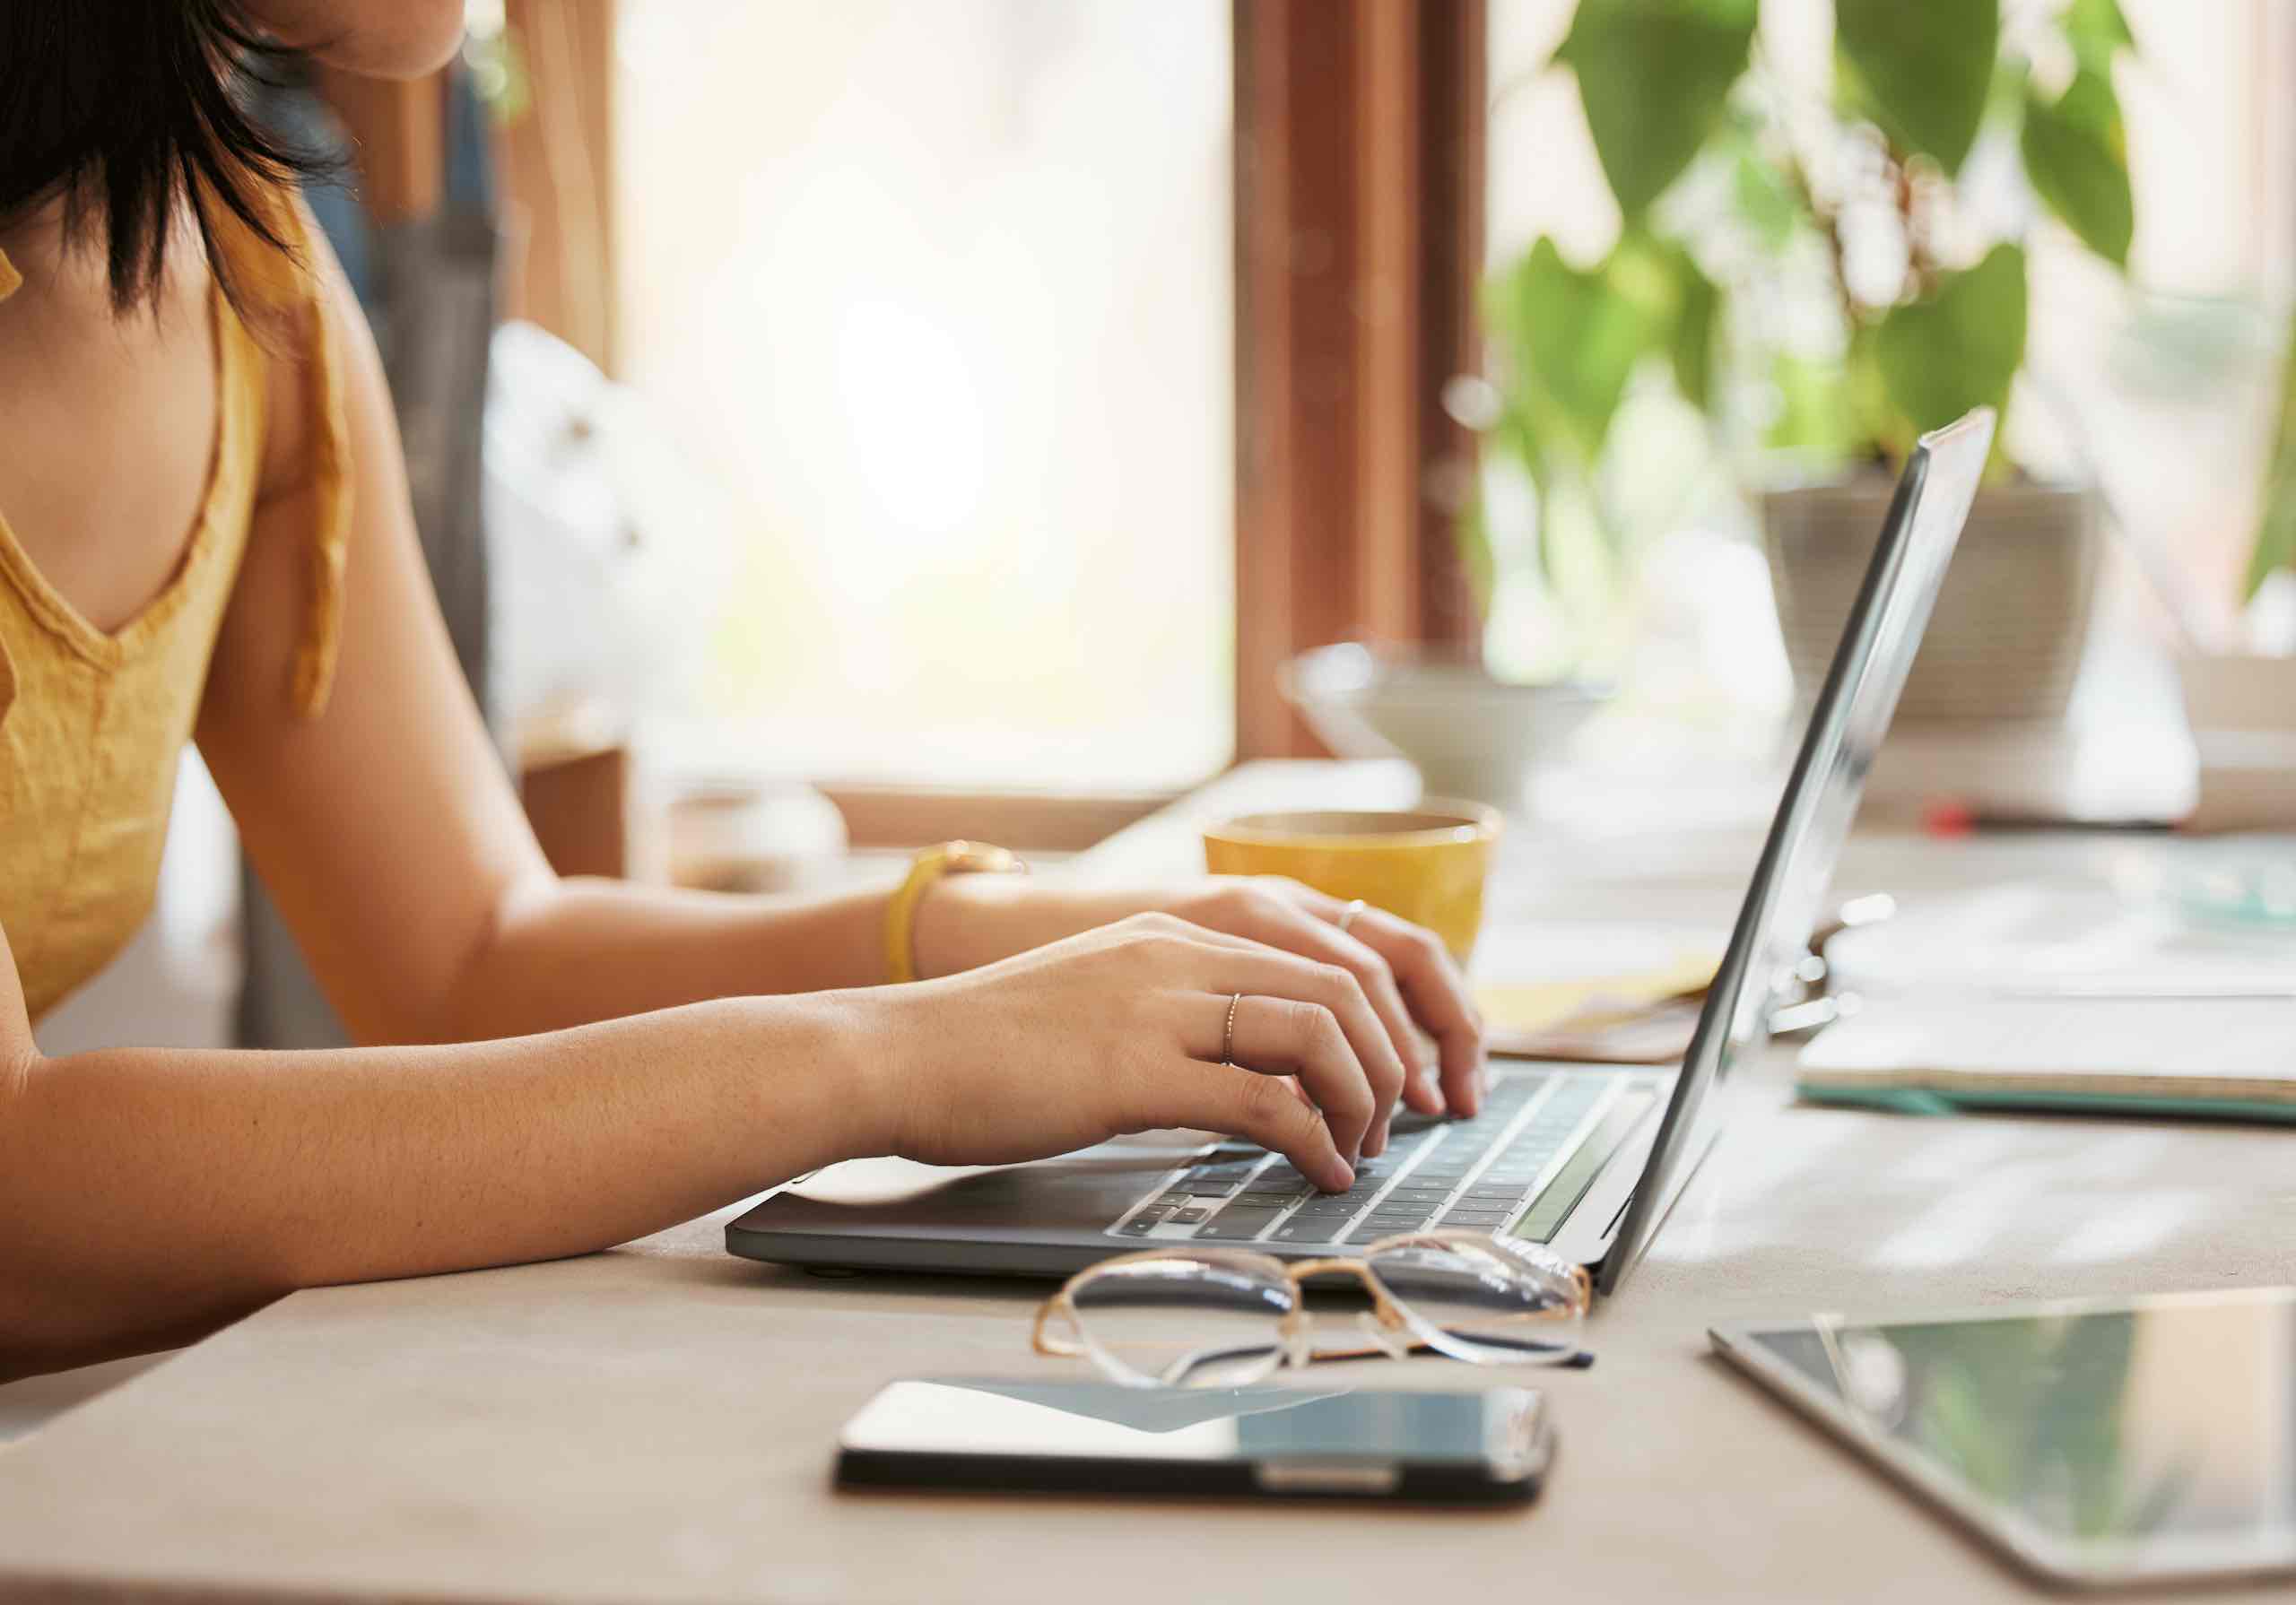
x=206, y=536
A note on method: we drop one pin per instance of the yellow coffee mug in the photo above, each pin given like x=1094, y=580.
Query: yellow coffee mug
x=1426, y=864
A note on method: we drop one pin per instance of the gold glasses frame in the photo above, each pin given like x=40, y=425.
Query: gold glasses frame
x=1391, y=1327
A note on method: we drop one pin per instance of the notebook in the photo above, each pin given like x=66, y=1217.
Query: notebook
x=2233, y=1058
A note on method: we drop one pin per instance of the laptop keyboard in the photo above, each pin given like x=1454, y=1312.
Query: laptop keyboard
x=1540, y=1136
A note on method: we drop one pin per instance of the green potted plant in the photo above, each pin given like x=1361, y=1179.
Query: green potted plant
x=1808, y=264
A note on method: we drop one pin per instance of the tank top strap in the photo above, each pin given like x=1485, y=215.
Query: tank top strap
x=7, y=681
x=288, y=292
x=10, y=280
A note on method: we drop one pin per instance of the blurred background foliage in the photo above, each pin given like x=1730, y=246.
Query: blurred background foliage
x=1817, y=271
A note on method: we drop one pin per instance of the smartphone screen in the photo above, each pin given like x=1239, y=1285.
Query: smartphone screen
x=982, y=1432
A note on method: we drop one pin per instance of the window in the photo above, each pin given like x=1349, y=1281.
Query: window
x=2175, y=400
x=942, y=293
x=2163, y=388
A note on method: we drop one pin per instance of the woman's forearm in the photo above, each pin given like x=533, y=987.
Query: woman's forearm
x=572, y=952
x=148, y=1196
x=567, y=952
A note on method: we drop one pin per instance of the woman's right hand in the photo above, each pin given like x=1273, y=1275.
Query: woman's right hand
x=1120, y=1030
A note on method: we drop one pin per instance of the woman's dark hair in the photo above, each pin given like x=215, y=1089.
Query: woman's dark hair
x=124, y=107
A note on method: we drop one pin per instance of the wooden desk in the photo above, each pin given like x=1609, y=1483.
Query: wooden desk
x=656, y=1423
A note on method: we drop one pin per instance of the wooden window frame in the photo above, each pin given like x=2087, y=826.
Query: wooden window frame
x=557, y=164
x=1359, y=172
x=1359, y=237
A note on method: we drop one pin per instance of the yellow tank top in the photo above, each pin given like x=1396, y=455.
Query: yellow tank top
x=93, y=723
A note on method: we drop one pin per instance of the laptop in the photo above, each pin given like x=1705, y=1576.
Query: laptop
x=1586, y=1159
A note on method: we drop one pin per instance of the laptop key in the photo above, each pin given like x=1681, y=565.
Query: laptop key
x=1235, y=1225
x=1301, y=1228
x=1141, y=1224
x=1420, y=1198
x=1476, y=1220
x=1258, y=1199
x=1409, y=1220
x=1203, y=1188
x=1189, y=1217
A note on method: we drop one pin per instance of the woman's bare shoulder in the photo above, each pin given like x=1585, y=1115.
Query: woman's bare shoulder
x=106, y=423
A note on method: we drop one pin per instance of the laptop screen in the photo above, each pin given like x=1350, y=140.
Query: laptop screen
x=1847, y=724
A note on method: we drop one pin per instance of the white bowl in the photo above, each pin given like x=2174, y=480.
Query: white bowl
x=1469, y=736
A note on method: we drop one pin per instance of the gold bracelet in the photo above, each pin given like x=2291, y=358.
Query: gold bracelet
x=950, y=858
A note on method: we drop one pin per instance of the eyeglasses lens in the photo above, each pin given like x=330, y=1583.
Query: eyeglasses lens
x=1498, y=1302
x=1184, y=1320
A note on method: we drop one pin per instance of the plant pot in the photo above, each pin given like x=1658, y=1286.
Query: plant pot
x=2011, y=619
x=1467, y=735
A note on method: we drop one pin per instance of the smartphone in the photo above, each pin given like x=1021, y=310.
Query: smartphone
x=1488, y=1445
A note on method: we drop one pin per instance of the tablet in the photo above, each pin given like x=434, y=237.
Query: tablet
x=2096, y=1442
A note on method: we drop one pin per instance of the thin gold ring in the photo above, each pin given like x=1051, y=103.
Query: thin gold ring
x=1347, y=915
x=1228, y=1037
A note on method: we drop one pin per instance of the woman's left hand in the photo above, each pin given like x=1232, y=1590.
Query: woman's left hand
x=1404, y=971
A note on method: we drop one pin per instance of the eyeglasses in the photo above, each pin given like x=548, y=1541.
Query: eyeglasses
x=1223, y=1317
